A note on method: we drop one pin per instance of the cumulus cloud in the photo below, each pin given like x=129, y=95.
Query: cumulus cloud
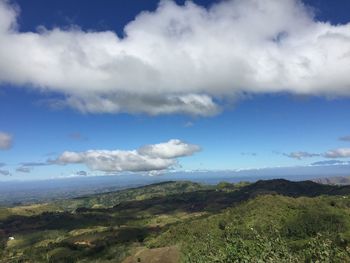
x=338, y=153
x=181, y=59
x=300, y=155
x=145, y=159
x=5, y=140
x=168, y=150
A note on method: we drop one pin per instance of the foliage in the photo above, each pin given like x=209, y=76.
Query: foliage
x=268, y=229
x=268, y=221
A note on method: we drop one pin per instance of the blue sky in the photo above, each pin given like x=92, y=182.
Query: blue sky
x=257, y=126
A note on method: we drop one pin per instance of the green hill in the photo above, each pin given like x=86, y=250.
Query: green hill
x=132, y=194
x=267, y=221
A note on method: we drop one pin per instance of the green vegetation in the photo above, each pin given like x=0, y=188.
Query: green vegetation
x=267, y=221
x=268, y=228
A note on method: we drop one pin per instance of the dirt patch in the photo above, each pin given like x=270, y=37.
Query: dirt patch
x=155, y=255
x=83, y=243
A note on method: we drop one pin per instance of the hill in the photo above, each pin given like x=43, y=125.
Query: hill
x=273, y=220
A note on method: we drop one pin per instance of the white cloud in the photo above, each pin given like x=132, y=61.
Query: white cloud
x=5, y=140
x=181, y=59
x=338, y=153
x=147, y=158
x=171, y=149
x=300, y=155
x=330, y=162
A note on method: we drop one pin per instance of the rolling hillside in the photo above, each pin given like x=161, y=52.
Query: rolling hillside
x=267, y=221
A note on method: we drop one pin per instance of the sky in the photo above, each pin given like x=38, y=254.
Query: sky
x=149, y=87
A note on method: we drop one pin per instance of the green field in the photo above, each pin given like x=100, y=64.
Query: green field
x=267, y=221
